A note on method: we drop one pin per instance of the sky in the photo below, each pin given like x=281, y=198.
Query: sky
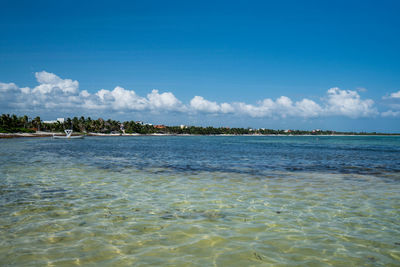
x=331, y=65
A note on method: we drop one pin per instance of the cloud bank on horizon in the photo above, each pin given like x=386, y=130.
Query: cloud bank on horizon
x=56, y=94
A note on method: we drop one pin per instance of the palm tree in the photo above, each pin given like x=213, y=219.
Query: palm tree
x=25, y=121
x=37, y=122
x=82, y=126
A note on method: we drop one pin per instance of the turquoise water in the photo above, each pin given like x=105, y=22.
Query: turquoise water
x=200, y=201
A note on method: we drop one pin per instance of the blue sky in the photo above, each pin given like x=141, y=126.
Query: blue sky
x=269, y=64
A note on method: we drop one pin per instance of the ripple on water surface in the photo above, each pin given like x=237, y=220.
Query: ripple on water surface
x=71, y=211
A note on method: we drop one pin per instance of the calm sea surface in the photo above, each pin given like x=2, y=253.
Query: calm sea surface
x=200, y=201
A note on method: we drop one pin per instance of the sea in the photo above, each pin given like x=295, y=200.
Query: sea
x=200, y=201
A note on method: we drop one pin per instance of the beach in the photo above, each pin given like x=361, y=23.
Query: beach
x=50, y=134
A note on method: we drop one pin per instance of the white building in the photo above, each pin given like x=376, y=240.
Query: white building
x=60, y=120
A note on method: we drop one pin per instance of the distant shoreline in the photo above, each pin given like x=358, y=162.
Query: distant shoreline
x=13, y=126
x=49, y=134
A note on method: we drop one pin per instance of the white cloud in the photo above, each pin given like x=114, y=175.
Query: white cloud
x=391, y=113
x=284, y=102
x=50, y=82
x=56, y=94
x=282, y=107
x=165, y=101
x=348, y=103
x=198, y=103
x=395, y=95
x=264, y=108
x=338, y=102
x=84, y=94
x=25, y=90
x=308, y=108
x=226, y=108
x=5, y=87
x=120, y=99
x=393, y=102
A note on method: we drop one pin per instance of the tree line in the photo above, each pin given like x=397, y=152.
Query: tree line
x=24, y=124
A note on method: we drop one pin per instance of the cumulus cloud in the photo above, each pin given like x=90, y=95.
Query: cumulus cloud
x=337, y=102
x=119, y=99
x=50, y=82
x=395, y=95
x=281, y=107
x=6, y=87
x=349, y=103
x=198, y=103
x=308, y=108
x=165, y=101
x=57, y=94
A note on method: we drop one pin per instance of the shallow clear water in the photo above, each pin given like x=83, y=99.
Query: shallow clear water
x=200, y=201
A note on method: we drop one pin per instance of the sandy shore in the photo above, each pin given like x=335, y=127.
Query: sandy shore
x=47, y=134
x=15, y=135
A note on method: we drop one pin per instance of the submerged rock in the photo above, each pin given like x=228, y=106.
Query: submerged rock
x=210, y=215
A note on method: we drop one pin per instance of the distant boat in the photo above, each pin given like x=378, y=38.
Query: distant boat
x=68, y=135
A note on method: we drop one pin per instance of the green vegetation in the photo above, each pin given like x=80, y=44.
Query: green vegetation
x=15, y=124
